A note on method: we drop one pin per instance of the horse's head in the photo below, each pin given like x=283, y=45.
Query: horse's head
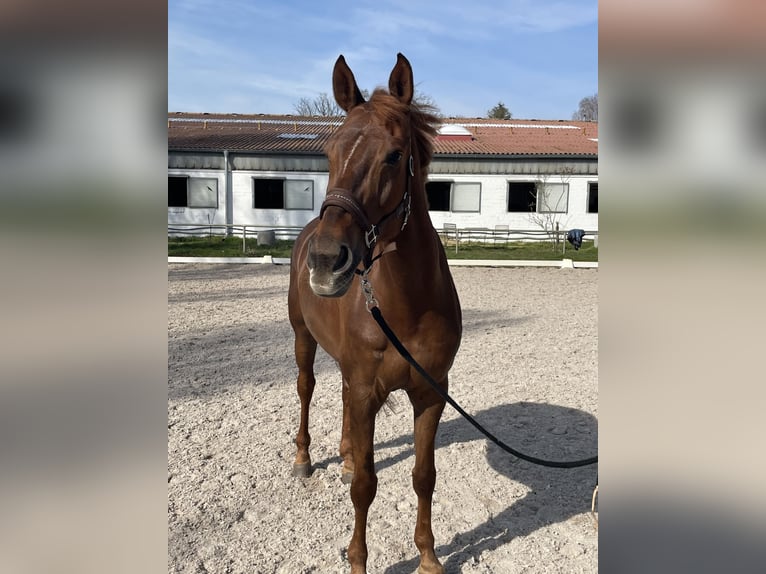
x=368, y=195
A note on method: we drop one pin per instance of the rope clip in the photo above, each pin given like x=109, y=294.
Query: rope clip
x=369, y=298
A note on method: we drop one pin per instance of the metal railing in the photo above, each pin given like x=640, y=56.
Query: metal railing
x=268, y=233
x=450, y=234
x=501, y=234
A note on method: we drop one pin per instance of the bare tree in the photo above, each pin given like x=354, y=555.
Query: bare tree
x=588, y=110
x=324, y=105
x=427, y=101
x=552, y=206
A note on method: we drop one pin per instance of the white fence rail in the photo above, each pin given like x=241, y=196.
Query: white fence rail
x=450, y=234
x=453, y=235
x=264, y=234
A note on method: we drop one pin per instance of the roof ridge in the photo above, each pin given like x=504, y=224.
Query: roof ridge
x=513, y=125
x=270, y=121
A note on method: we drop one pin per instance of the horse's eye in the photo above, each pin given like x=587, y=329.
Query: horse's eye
x=393, y=157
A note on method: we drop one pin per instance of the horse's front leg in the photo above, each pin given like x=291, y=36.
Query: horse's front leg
x=346, y=448
x=428, y=407
x=305, y=351
x=363, y=407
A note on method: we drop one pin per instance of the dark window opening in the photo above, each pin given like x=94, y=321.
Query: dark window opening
x=177, y=196
x=438, y=193
x=593, y=198
x=268, y=193
x=522, y=196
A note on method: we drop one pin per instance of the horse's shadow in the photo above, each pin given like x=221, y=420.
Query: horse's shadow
x=546, y=431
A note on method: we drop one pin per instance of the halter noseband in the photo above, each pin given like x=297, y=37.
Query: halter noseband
x=339, y=197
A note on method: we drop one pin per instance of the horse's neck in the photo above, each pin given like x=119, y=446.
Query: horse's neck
x=417, y=246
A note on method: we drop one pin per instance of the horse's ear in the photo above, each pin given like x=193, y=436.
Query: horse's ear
x=400, y=83
x=344, y=86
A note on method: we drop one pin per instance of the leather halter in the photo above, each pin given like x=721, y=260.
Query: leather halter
x=339, y=197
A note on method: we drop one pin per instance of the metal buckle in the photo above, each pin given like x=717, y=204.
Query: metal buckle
x=371, y=236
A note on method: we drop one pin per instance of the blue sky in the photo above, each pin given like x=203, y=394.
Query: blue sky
x=539, y=57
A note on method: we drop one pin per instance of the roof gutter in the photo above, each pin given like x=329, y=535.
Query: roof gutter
x=245, y=151
x=448, y=156
x=506, y=157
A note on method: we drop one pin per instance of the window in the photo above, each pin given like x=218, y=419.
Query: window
x=453, y=196
x=593, y=197
x=177, y=196
x=438, y=193
x=203, y=192
x=299, y=194
x=537, y=197
x=466, y=197
x=268, y=193
x=554, y=198
x=522, y=196
x=192, y=191
x=274, y=193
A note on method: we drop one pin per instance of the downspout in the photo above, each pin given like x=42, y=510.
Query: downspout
x=228, y=193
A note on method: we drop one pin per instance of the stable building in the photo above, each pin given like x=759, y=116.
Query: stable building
x=269, y=171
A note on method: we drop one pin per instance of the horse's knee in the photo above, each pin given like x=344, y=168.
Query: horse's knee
x=306, y=384
x=364, y=486
x=423, y=481
x=347, y=468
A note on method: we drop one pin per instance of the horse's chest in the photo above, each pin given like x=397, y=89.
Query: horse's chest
x=384, y=363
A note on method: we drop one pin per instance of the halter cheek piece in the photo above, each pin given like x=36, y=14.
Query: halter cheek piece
x=339, y=197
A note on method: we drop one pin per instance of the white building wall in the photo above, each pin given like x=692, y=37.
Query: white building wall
x=246, y=214
x=494, y=190
x=494, y=204
x=200, y=215
x=578, y=216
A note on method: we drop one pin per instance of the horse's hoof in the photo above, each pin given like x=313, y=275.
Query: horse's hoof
x=302, y=470
x=346, y=477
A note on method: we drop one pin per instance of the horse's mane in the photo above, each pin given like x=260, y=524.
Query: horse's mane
x=425, y=122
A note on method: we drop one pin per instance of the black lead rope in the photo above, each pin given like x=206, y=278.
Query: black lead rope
x=406, y=355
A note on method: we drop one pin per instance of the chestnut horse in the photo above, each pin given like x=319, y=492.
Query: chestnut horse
x=374, y=230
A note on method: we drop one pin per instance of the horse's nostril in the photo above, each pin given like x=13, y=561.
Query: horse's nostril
x=342, y=261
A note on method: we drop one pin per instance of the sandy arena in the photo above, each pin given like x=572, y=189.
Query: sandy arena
x=527, y=369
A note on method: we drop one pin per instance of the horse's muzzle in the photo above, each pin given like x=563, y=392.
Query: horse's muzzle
x=331, y=268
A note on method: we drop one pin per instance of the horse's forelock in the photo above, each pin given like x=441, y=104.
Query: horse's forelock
x=424, y=120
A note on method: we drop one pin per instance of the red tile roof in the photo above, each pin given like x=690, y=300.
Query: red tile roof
x=296, y=134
